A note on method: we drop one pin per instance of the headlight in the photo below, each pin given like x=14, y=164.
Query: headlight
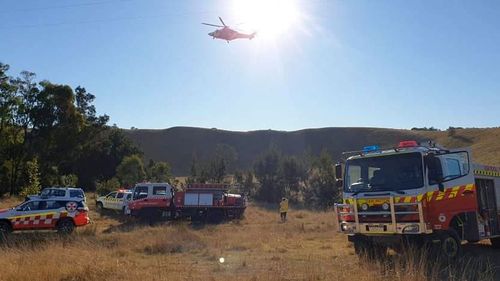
x=385, y=206
x=364, y=207
x=412, y=228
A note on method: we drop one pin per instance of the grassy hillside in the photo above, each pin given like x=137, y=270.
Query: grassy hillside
x=485, y=143
x=178, y=145
x=258, y=247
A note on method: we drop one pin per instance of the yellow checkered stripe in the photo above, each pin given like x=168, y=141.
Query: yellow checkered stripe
x=437, y=195
x=32, y=215
x=113, y=199
x=487, y=173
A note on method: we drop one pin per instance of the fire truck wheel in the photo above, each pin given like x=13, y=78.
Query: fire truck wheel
x=451, y=247
x=65, y=226
x=5, y=229
x=495, y=242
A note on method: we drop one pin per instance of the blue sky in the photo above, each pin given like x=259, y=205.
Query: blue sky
x=151, y=64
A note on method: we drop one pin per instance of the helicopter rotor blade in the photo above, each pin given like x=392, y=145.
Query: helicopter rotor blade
x=212, y=24
x=222, y=22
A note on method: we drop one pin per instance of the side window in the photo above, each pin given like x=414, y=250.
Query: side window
x=159, y=190
x=446, y=167
x=29, y=206
x=455, y=165
x=120, y=195
x=453, y=168
x=129, y=196
x=140, y=192
x=50, y=205
x=76, y=193
x=58, y=192
x=111, y=195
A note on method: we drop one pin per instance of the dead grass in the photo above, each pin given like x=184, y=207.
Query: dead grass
x=258, y=247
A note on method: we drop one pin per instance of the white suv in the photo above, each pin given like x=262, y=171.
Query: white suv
x=60, y=193
x=116, y=200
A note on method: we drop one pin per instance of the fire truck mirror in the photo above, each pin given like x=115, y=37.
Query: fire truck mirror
x=338, y=171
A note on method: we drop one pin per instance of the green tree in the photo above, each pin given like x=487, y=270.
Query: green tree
x=68, y=180
x=267, y=172
x=292, y=174
x=249, y=187
x=33, y=179
x=160, y=172
x=131, y=171
x=107, y=186
x=322, y=191
x=60, y=128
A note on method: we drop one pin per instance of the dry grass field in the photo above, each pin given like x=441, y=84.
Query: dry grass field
x=258, y=247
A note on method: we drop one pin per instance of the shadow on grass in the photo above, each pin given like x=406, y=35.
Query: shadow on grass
x=34, y=239
x=418, y=264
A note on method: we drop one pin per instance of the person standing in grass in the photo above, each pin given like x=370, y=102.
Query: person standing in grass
x=283, y=208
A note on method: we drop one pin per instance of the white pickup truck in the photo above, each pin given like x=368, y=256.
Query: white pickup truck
x=116, y=200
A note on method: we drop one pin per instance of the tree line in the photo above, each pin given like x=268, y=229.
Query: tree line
x=306, y=180
x=51, y=135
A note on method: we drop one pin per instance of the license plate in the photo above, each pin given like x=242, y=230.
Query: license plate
x=376, y=228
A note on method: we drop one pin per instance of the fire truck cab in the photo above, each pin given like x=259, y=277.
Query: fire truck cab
x=418, y=193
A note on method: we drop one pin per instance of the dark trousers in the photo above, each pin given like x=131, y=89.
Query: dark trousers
x=283, y=216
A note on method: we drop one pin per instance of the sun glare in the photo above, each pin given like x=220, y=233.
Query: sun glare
x=267, y=17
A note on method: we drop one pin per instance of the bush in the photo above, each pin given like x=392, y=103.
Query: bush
x=108, y=186
x=33, y=179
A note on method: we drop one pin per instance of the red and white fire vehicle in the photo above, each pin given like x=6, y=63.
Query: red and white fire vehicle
x=62, y=215
x=198, y=202
x=417, y=193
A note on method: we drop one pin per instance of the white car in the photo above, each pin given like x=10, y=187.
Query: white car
x=70, y=193
x=116, y=200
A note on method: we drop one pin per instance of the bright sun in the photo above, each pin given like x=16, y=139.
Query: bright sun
x=267, y=17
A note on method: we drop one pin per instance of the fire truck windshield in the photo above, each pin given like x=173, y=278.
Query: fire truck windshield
x=384, y=173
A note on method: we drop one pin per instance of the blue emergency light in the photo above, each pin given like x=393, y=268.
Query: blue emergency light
x=371, y=148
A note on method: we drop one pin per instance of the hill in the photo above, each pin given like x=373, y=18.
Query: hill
x=178, y=145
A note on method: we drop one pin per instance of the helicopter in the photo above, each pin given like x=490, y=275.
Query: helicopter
x=227, y=33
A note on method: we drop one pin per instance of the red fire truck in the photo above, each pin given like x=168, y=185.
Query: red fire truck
x=199, y=202
x=417, y=193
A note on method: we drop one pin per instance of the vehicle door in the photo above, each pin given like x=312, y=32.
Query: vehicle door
x=487, y=203
x=140, y=196
x=28, y=215
x=109, y=201
x=120, y=200
x=451, y=186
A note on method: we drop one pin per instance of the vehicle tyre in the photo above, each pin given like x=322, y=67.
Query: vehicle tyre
x=451, y=246
x=495, y=242
x=99, y=206
x=5, y=229
x=65, y=226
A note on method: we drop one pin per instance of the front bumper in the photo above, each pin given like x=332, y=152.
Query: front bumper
x=355, y=226
x=382, y=228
